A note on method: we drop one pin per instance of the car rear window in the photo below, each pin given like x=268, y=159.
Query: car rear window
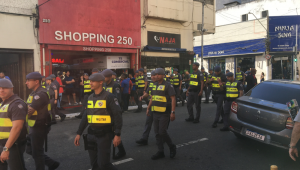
x=276, y=92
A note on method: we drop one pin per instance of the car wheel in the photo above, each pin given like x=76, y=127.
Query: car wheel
x=239, y=136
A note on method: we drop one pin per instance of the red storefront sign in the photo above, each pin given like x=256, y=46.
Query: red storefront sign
x=105, y=23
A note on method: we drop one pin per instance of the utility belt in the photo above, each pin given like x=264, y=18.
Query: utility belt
x=101, y=131
x=218, y=92
x=176, y=86
x=230, y=99
x=139, y=88
x=194, y=90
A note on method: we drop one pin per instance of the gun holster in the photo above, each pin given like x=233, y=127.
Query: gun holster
x=88, y=145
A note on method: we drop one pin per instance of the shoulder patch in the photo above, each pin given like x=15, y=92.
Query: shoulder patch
x=171, y=85
x=36, y=97
x=54, y=86
x=118, y=90
x=116, y=101
x=201, y=74
x=241, y=85
x=20, y=106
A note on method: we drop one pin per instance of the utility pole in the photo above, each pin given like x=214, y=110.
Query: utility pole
x=296, y=50
x=202, y=32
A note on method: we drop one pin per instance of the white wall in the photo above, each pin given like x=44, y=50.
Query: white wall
x=275, y=7
x=17, y=31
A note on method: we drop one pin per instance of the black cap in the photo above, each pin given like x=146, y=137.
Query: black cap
x=97, y=77
x=238, y=66
x=211, y=69
x=202, y=68
x=107, y=73
x=217, y=68
x=230, y=74
x=175, y=69
x=60, y=73
x=53, y=76
x=43, y=76
x=153, y=73
x=114, y=73
x=227, y=70
x=95, y=70
x=5, y=83
x=160, y=71
x=196, y=63
x=34, y=76
x=141, y=69
x=49, y=78
x=137, y=71
x=85, y=74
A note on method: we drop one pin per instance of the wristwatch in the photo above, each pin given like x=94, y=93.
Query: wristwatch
x=173, y=112
x=292, y=147
x=118, y=134
x=5, y=148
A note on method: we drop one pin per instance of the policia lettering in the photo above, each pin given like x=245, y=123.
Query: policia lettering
x=141, y=82
x=239, y=76
x=87, y=86
x=232, y=91
x=159, y=100
x=97, y=113
x=193, y=80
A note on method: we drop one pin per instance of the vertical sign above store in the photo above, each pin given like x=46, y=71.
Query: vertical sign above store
x=159, y=39
x=282, y=30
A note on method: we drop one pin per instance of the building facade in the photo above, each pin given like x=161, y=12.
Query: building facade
x=19, y=49
x=167, y=32
x=97, y=34
x=241, y=39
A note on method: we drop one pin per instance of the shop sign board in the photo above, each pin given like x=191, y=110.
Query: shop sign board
x=105, y=23
x=160, y=39
x=88, y=63
x=118, y=62
x=282, y=32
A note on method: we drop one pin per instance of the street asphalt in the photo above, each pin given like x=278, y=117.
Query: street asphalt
x=200, y=147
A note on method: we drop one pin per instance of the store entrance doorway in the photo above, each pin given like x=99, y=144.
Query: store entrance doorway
x=282, y=67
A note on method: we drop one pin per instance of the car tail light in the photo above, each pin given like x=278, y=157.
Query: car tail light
x=234, y=107
x=289, y=123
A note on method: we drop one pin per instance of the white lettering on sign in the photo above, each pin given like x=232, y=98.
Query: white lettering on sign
x=91, y=37
x=216, y=52
x=97, y=49
x=285, y=35
x=284, y=28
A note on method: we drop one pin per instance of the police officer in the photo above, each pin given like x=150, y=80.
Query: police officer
x=115, y=78
x=114, y=88
x=162, y=105
x=209, y=88
x=43, y=81
x=95, y=70
x=205, y=75
x=135, y=95
x=12, y=128
x=149, y=118
x=39, y=119
x=194, y=94
x=233, y=89
x=177, y=83
x=103, y=115
x=87, y=91
x=53, y=93
x=142, y=87
x=240, y=75
x=219, y=94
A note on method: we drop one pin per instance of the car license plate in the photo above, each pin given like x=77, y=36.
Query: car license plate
x=255, y=135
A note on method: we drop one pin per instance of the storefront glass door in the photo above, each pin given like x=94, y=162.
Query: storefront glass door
x=245, y=63
x=282, y=67
x=218, y=62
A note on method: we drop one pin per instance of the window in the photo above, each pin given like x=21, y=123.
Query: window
x=264, y=14
x=275, y=92
x=245, y=17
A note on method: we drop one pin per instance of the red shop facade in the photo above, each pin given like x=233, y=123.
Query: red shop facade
x=77, y=36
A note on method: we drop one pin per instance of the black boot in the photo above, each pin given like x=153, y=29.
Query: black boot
x=158, y=155
x=189, y=120
x=62, y=118
x=79, y=116
x=182, y=102
x=214, y=125
x=121, y=152
x=172, y=151
x=138, y=111
x=142, y=142
x=54, y=166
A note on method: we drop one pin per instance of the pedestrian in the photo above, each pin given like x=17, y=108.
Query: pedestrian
x=285, y=73
x=233, y=89
x=205, y=75
x=194, y=94
x=70, y=88
x=162, y=105
x=39, y=121
x=149, y=118
x=2, y=76
x=115, y=78
x=240, y=75
x=219, y=94
x=262, y=77
x=125, y=88
x=81, y=89
x=251, y=80
x=142, y=87
x=43, y=82
x=104, y=120
x=208, y=84
x=177, y=83
x=136, y=97
x=87, y=92
x=60, y=90
x=114, y=88
x=12, y=128
x=133, y=90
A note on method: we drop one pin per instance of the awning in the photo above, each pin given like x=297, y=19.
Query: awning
x=233, y=48
x=164, y=49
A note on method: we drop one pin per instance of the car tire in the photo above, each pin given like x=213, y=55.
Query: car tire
x=239, y=136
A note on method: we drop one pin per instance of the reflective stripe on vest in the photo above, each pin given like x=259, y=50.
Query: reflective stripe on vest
x=97, y=112
x=159, y=100
x=176, y=80
x=141, y=82
x=150, y=87
x=172, y=81
x=43, y=85
x=232, y=90
x=87, y=86
x=205, y=76
x=215, y=84
x=239, y=76
x=108, y=89
x=193, y=80
x=5, y=122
